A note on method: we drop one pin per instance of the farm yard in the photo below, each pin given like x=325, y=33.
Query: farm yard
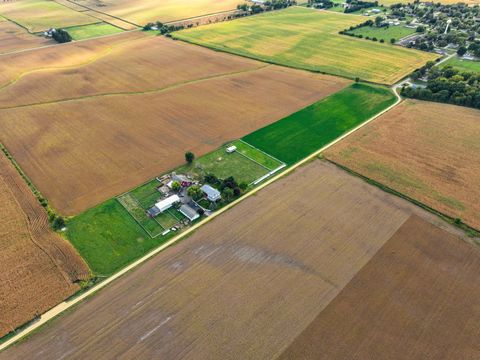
x=41, y=15
x=308, y=39
x=427, y=151
x=15, y=38
x=416, y=296
x=144, y=11
x=119, y=131
x=344, y=230
x=39, y=269
x=302, y=133
x=119, y=231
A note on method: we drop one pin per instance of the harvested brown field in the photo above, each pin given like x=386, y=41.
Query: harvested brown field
x=14, y=38
x=243, y=286
x=97, y=132
x=111, y=20
x=37, y=267
x=416, y=299
x=141, y=12
x=427, y=151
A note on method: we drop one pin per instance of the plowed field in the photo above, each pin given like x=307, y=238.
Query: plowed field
x=245, y=285
x=115, y=115
x=37, y=267
x=426, y=150
x=416, y=299
x=13, y=38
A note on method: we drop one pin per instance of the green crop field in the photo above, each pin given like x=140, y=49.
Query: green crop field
x=40, y=15
x=308, y=39
x=385, y=33
x=465, y=65
x=92, y=30
x=108, y=238
x=302, y=133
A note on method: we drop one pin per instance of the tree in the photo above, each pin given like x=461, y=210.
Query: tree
x=378, y=21
x=462, y=50
x=195, y=192
x=176, y=186
x=227, y=194
x=392, y=41
x=420, y=29
x=58, y=223
x=61, y=36
x=189, y=156
x=148, y=26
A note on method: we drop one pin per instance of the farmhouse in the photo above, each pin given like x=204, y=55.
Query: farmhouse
x=212, y=193
x=189, y=212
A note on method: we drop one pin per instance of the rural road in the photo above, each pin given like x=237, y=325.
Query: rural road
x=59, y=309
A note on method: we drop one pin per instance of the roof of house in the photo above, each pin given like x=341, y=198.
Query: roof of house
x=165, y=203
x=190, y=213
x=210, y=191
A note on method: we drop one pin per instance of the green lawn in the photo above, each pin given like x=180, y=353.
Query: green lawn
x=308, y=39
x=466, y=65
x=256, y=155
x=385, y=33
x=108, y=238
x=302, y=133
x=223, y=165
x=91, y=31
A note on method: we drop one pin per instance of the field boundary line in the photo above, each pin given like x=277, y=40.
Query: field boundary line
x=263, y=152
x=131, y=93
x=449, y=219
x=60, y=308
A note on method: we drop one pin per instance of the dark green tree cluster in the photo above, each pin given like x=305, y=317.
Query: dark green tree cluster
x=447, y=85
x=61, y=36
x=163, y=28
x=355, y=5
x=228, y=187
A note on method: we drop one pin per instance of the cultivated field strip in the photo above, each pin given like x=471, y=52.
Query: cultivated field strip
x=38, y=268
x=427, y=151
x=243, y=286
x=416, y=299
x=108, y=131
x=14, y=37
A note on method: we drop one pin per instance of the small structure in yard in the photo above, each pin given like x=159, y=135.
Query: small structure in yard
x=189, y=212
x=163, y=205
x=230, y=149
x=212, y=193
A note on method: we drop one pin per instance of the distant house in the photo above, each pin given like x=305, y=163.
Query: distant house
x=212, y=193
x=189, y=212
x=376, y=11
x=163, y=205
x=231, y=149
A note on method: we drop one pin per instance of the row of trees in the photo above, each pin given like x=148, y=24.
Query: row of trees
x=61, y=36
x=355, y=5
x=446, y=85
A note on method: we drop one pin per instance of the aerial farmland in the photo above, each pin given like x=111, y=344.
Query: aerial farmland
x=242, y=269
x=309, y=39
x=241, y=180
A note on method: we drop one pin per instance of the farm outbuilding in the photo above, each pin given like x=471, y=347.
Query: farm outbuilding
x=189, y=212
x=212, y=193
x=167, y=203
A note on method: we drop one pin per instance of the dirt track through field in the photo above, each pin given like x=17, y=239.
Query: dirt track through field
x=243, y=286
x=37, y=267
x=107, y=133
x=416, y=299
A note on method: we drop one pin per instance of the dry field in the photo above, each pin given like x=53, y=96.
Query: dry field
x=37, y=267
x=243, y=286
x=14, y=38
x=143, y=11
x=425, y=150
x=41, y=15
x=416, y=299
x=97, y=131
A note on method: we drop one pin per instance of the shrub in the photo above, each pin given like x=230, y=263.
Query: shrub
x=58, y=223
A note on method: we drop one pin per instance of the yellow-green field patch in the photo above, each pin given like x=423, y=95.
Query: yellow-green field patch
x=309, y=39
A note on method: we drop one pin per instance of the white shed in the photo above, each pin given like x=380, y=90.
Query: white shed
x=167, y=203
